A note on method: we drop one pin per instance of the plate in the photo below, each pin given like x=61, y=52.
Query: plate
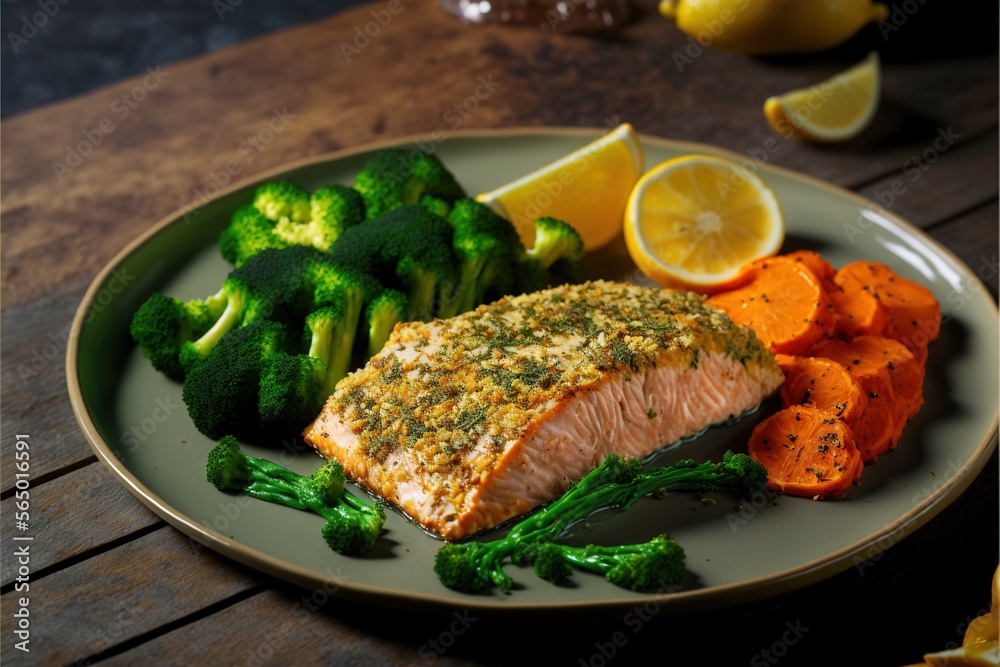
x=738, y=549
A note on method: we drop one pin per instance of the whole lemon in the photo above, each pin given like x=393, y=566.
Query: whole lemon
x=762, y=27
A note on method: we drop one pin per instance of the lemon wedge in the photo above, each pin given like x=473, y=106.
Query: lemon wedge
x=586, y=189
x=834, y=110
x=696, y=221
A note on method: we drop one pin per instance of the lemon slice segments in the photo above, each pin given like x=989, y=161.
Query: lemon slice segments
x=696, y=222
x=837, y=109
x=587, y=188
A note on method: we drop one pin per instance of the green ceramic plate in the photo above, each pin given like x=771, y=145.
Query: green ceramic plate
x=738, y=550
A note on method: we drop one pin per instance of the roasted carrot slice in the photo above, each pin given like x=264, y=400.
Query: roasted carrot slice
x=912, y=314
x=821, y=268
x=807, y=452
x=876, y=355
x=869, y=358
x=784, y=303
x=826, y=385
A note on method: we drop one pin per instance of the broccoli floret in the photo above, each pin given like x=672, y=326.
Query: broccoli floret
x=395, y=177
x=258, y=379
x=638, y=567
x=290, y=394
x=383, y=314
x=248, y=233
x=409, y=250
x=486, y=246
x=352, y=525
x=434, y=205
x=558, y=247
x=284, y=214
x=162, y=324
x=279, y=284
x=616, y=483
x=222, y=393
x=268, y=285
x=282, y=199
x=473, y=567
x=333, y=208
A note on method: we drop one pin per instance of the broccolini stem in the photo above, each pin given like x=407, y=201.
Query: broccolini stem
x=273, y=493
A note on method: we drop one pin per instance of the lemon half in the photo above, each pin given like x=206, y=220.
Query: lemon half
x=834, y=110
x=696, y=222
x=588, y=189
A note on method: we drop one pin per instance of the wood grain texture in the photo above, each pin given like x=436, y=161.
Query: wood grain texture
x=94, y=605
x=932, y=183
x=276, y=99
x=974, y=237
x=159, y=598
x=73, y=514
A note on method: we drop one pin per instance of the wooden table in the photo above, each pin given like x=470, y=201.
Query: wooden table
x=112, y=583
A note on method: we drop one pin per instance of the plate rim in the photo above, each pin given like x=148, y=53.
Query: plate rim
x=697, y=600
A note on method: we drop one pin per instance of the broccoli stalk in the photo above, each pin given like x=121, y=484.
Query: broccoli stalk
x=383, y=314
x=486, y=246
x=616, y=483
x=558, y=247
x=352, y=525
x=332, y=330
x=638, y=567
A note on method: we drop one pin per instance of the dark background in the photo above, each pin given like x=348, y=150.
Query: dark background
x=88, y=43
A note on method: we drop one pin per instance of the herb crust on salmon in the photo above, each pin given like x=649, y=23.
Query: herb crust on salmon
x=467, y=422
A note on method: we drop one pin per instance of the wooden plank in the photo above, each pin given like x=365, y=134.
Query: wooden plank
x=934, y=183
x=33, y=349
x=120, y=594
x=74, y=514
x=291, y=626
x=975, y=238
x=288, y=625
x=319, y=104
x=157, y=156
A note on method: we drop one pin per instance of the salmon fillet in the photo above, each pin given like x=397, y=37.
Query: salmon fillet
x=467, y=422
